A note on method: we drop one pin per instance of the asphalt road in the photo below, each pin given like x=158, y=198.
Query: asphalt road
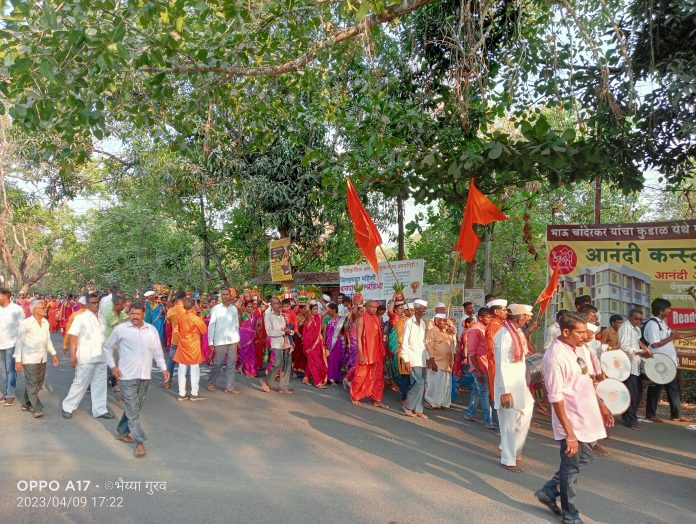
x=313, y=457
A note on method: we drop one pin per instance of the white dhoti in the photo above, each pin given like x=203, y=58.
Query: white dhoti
x=510, y=379
x=514, y=426
x=438, y=388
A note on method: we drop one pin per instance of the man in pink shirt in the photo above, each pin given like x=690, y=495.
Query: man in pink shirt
x=476, y=345
x=579, y=416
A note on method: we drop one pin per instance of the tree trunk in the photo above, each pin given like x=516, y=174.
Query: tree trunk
x=400, y=221
x=470, y=279
x=598, y=201
x=218, y=264
x=205, y=244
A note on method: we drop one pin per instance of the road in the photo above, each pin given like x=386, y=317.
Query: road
x=314, y=457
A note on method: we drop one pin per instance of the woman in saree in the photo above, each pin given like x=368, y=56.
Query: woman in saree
x=248, y=326
x=335, y=344
x=154, y=314
x=314, y=347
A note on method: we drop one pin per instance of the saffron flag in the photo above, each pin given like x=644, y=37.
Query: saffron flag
x=367, y=237
x=478, y=210
x=550, y=290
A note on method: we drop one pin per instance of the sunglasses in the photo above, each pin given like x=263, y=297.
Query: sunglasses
x=583, y=366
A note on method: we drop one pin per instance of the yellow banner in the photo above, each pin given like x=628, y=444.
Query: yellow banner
x=281, y=270
x=627, y=266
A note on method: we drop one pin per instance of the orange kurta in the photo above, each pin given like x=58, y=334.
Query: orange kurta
x=171, y=318
x=189, y=327
x=491, y=331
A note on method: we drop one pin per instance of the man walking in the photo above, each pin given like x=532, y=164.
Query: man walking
x=368, y=380
x=513, y=400
x=478, y=359
x=11, y=315
x=415, y=357
x=223, y=339
x=661, y=340
x=278, y=331
x=31, y=351
x=172, y=315
x=88, y=360
x=188, y=353
x=577, y=419
x=138, y=345
x=629, y=341
x=113, y=316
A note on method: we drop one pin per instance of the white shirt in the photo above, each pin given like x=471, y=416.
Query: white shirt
x=137, y=348
x=629, y=338
x=551, y=334
x=342, y=310
x=413, y=349
x=656, y=330
x=34, y=342
x=10, y=317
x=90, y=338
x=275, y=329
x=510, y=377
x=566, y=382
x=223, y=328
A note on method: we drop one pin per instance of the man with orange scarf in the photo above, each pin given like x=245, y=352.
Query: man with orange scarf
x=369, y=370
x=513, y=401
x=498, y=309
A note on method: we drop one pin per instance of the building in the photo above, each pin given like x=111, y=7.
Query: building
x=615, y=290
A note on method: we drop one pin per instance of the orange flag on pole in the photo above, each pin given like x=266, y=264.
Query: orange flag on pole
x=479, y=209
x=367, y=237
x=550, y=290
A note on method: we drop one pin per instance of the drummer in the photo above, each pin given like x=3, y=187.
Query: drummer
x=629, y=340
x=661, y=340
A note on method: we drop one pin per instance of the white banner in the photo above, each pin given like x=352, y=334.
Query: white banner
x=409, y=273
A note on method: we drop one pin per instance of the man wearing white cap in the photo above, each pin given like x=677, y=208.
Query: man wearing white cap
x=415, y=357
x=498, y=309
x=513, y=400
x=441, y=344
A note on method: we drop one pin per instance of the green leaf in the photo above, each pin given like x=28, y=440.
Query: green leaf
x=495, y=151
x=568, y=136
x=46, y=70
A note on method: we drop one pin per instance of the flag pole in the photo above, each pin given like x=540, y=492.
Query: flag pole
x=390, y=266
x=454, y=269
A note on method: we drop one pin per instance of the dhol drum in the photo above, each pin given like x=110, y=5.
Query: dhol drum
x=533, y=373
x=660, y=369
x=615, y=395
x=616, y=364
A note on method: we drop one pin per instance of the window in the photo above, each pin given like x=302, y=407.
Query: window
x=614, y=277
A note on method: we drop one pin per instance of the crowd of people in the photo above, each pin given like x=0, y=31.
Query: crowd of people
x=112, y=341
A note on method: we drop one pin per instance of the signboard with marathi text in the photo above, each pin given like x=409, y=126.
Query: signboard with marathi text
x=409, y=273
x=627, y=266
x=281, y=270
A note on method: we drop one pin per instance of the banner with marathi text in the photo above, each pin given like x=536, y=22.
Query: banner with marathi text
x=409, y=273
x=627, y=266
x=281, y=270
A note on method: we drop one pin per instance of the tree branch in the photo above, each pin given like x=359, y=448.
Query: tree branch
x=113, y=157
x=341, y=35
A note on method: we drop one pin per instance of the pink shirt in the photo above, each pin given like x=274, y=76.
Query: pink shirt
x=566, y=382
x=476, y=340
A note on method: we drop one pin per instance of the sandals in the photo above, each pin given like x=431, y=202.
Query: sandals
x=165, y=385
x=128, y=439
x=211, y=387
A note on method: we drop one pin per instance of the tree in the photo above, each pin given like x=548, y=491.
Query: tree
x=30, y=232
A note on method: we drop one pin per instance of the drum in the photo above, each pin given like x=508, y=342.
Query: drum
x=533, y=372
x=615, y=395
x=659, y=369
x=616, y=364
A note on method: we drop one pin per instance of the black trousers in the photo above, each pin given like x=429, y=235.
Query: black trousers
x=654, y=393
x=634, y=383
x=34, y=375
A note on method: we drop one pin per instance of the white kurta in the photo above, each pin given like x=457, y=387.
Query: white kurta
x=510, y=378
